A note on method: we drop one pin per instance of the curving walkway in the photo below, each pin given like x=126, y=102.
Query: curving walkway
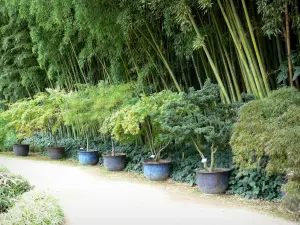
x=89, y=199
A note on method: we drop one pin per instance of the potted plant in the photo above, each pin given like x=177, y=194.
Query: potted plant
x=50, y=120
x=110, y=99
x=114, y=161
x=201, y=119
x=20, y=115
x=79, y=115
x=142, y=121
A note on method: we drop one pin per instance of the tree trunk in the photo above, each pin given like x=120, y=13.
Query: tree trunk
x=55, y=140
x=113, y=148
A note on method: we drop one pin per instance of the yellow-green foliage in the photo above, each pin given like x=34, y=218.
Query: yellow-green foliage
x=86, y=109
x=270, y=128
x=11, y=186
x=48, y=110
x=42, y=113
x=142, y=118
x=20, y=115
x=34, y=208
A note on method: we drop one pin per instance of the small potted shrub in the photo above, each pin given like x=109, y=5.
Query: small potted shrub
x=87, y=110
x=201, y=119
x=142, y=121
x=114, y=161
x=19, y=116
x=50, y=120
x=88, y=157
x=110, y=99
x=79, y=115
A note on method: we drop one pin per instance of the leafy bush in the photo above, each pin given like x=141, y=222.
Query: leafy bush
x=11, y=186
x=142, y=119
x=20, y=116
x=34, y=208
x=9, y=141
x=86, y=109
x=256, y=184
x=7, y=136
x=199, y=117
x=270, y=128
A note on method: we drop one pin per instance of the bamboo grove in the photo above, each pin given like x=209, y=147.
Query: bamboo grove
x=246, y=46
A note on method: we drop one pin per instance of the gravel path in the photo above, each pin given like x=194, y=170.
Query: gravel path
x=89, y=199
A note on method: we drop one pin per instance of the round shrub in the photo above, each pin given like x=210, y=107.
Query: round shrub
x=34, y=208
x=11, y=186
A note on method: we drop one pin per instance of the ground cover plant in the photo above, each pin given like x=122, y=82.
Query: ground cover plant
x=11, y=187
x=19, y=204
x=34, y=208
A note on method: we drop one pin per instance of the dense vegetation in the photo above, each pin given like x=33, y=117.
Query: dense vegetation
x=269, y=128
x=11, y=187
x=34, y=208
x=136, y=73
x=162, y=44
x=20, y=205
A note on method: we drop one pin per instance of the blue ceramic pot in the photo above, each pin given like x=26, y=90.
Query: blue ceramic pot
x=56, y=152
x=157, y=171
x=213, y=182
x=88, y=158
x=21, y=150
x=114, y=163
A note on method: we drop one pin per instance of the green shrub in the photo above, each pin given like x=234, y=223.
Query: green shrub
x=142, y=119
x=7, y=136
x=270, y=128
x=34, y=208
x=256, y=184
x=200, y=118
x=11, y=186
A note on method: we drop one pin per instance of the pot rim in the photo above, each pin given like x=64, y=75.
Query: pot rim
x=22, y=144
x=153, y=162
x=86, y=152
x=219, y=170
x=116, y=155
x=55, y=147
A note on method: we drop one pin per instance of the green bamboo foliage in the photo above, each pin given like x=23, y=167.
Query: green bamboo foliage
x=170, y=44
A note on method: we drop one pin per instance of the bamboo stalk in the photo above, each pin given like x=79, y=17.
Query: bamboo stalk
x=212, y=64
x=261, y=65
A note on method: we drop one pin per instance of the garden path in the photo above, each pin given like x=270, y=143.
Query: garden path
x=87, y=199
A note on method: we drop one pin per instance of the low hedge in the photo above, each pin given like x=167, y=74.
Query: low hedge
x=34, y=208
x=11, y=186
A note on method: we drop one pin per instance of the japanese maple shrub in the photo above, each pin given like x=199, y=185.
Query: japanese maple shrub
x=269, y=128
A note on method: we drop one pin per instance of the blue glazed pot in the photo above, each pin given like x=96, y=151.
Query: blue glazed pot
x=114, y=163
x=56, y=152
x=213, y=182
x=157, y=171
x=88, y=158
x=21, y=150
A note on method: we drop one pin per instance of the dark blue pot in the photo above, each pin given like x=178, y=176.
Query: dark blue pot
x=56, y=152
x=114, y=163
x=213, y=182
x=157, y=171
x=88, y=158
x=21, y=150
